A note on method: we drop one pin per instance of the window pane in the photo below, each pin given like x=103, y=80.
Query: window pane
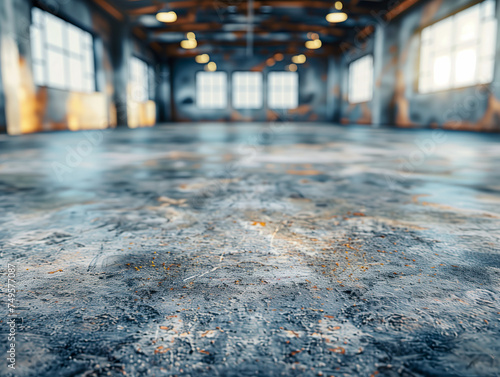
x=211, y=90
x=62, y=54
x=442, y=34
x=54, y=31
x=283, y=90
x=76, y=74
x=467, y=25
x=485, y=71
x=465, y=67
x=459, y=50
x=74, y=40
x=36, y=43
x=488, y=38
x=442, y=72
x=139, y=80
x=247, y=90
x=56, y=70
x=361, y=80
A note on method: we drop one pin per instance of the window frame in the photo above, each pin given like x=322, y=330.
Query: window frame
x=88, y=68
x=226, y=94
x=262, y=90
x=268, y=89
x=454, y=47
x=372, y=78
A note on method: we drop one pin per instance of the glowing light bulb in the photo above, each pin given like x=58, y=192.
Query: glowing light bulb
x=202, y=59
x=336, y=17
x=211, y=67
x=189, y=44
x=314, y=45
x=278, y=57
x=166, y=17
x=299, y=59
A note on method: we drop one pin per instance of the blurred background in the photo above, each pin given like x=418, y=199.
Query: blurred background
x=93, y=64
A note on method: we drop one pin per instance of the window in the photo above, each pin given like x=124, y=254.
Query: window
x=211, y=90
x=247, y=90
x=62, y=54
x=283, y=90
x=459, y=51
x=139, y=80
x=361, y=80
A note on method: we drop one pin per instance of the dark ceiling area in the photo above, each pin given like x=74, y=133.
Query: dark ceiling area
x=230, y=26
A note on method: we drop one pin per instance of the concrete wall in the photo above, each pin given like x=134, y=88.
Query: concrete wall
x=312, y=90
x=396, y=101
x=46, y=109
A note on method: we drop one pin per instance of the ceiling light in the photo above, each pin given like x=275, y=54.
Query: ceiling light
x=299, y=59
x=202, y=59
x=314, y=45
x=191, y=36
x=291, y=68
x=270, y=62
x=278, y=57
x=336, y=15
x=211, y=67
x=189, y=44
x=166, y=16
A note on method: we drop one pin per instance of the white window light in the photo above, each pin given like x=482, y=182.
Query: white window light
x=283, y=90
x=139, y=80
x=211, y=90
x=361, y=80
x=247, y=90
x=62, y=54
x=459, y=51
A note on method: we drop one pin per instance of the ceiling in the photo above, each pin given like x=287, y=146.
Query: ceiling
x=251, y=26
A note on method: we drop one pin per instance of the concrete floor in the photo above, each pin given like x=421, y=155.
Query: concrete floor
x=272, y=249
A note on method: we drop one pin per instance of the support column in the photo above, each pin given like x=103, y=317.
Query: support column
x=333, y=89
x=378, y=66
x=121, y=54
x=163, y=103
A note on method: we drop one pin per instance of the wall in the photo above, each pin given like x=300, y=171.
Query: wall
x=47, y=109
x=312, y=90
x=396, y=101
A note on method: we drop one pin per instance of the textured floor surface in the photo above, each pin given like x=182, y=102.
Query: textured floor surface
x=248, y=250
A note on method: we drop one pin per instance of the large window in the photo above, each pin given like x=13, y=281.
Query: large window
x=139, y=80
x=211, y=90
x=361, y=80
x=247, y=90
x=62, y=54
x=459, y=51
x=283, y=90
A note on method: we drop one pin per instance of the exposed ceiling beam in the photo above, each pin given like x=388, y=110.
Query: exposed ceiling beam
x=151, y=9
x=400, y=8
x=265, y=27
x=108, y=8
